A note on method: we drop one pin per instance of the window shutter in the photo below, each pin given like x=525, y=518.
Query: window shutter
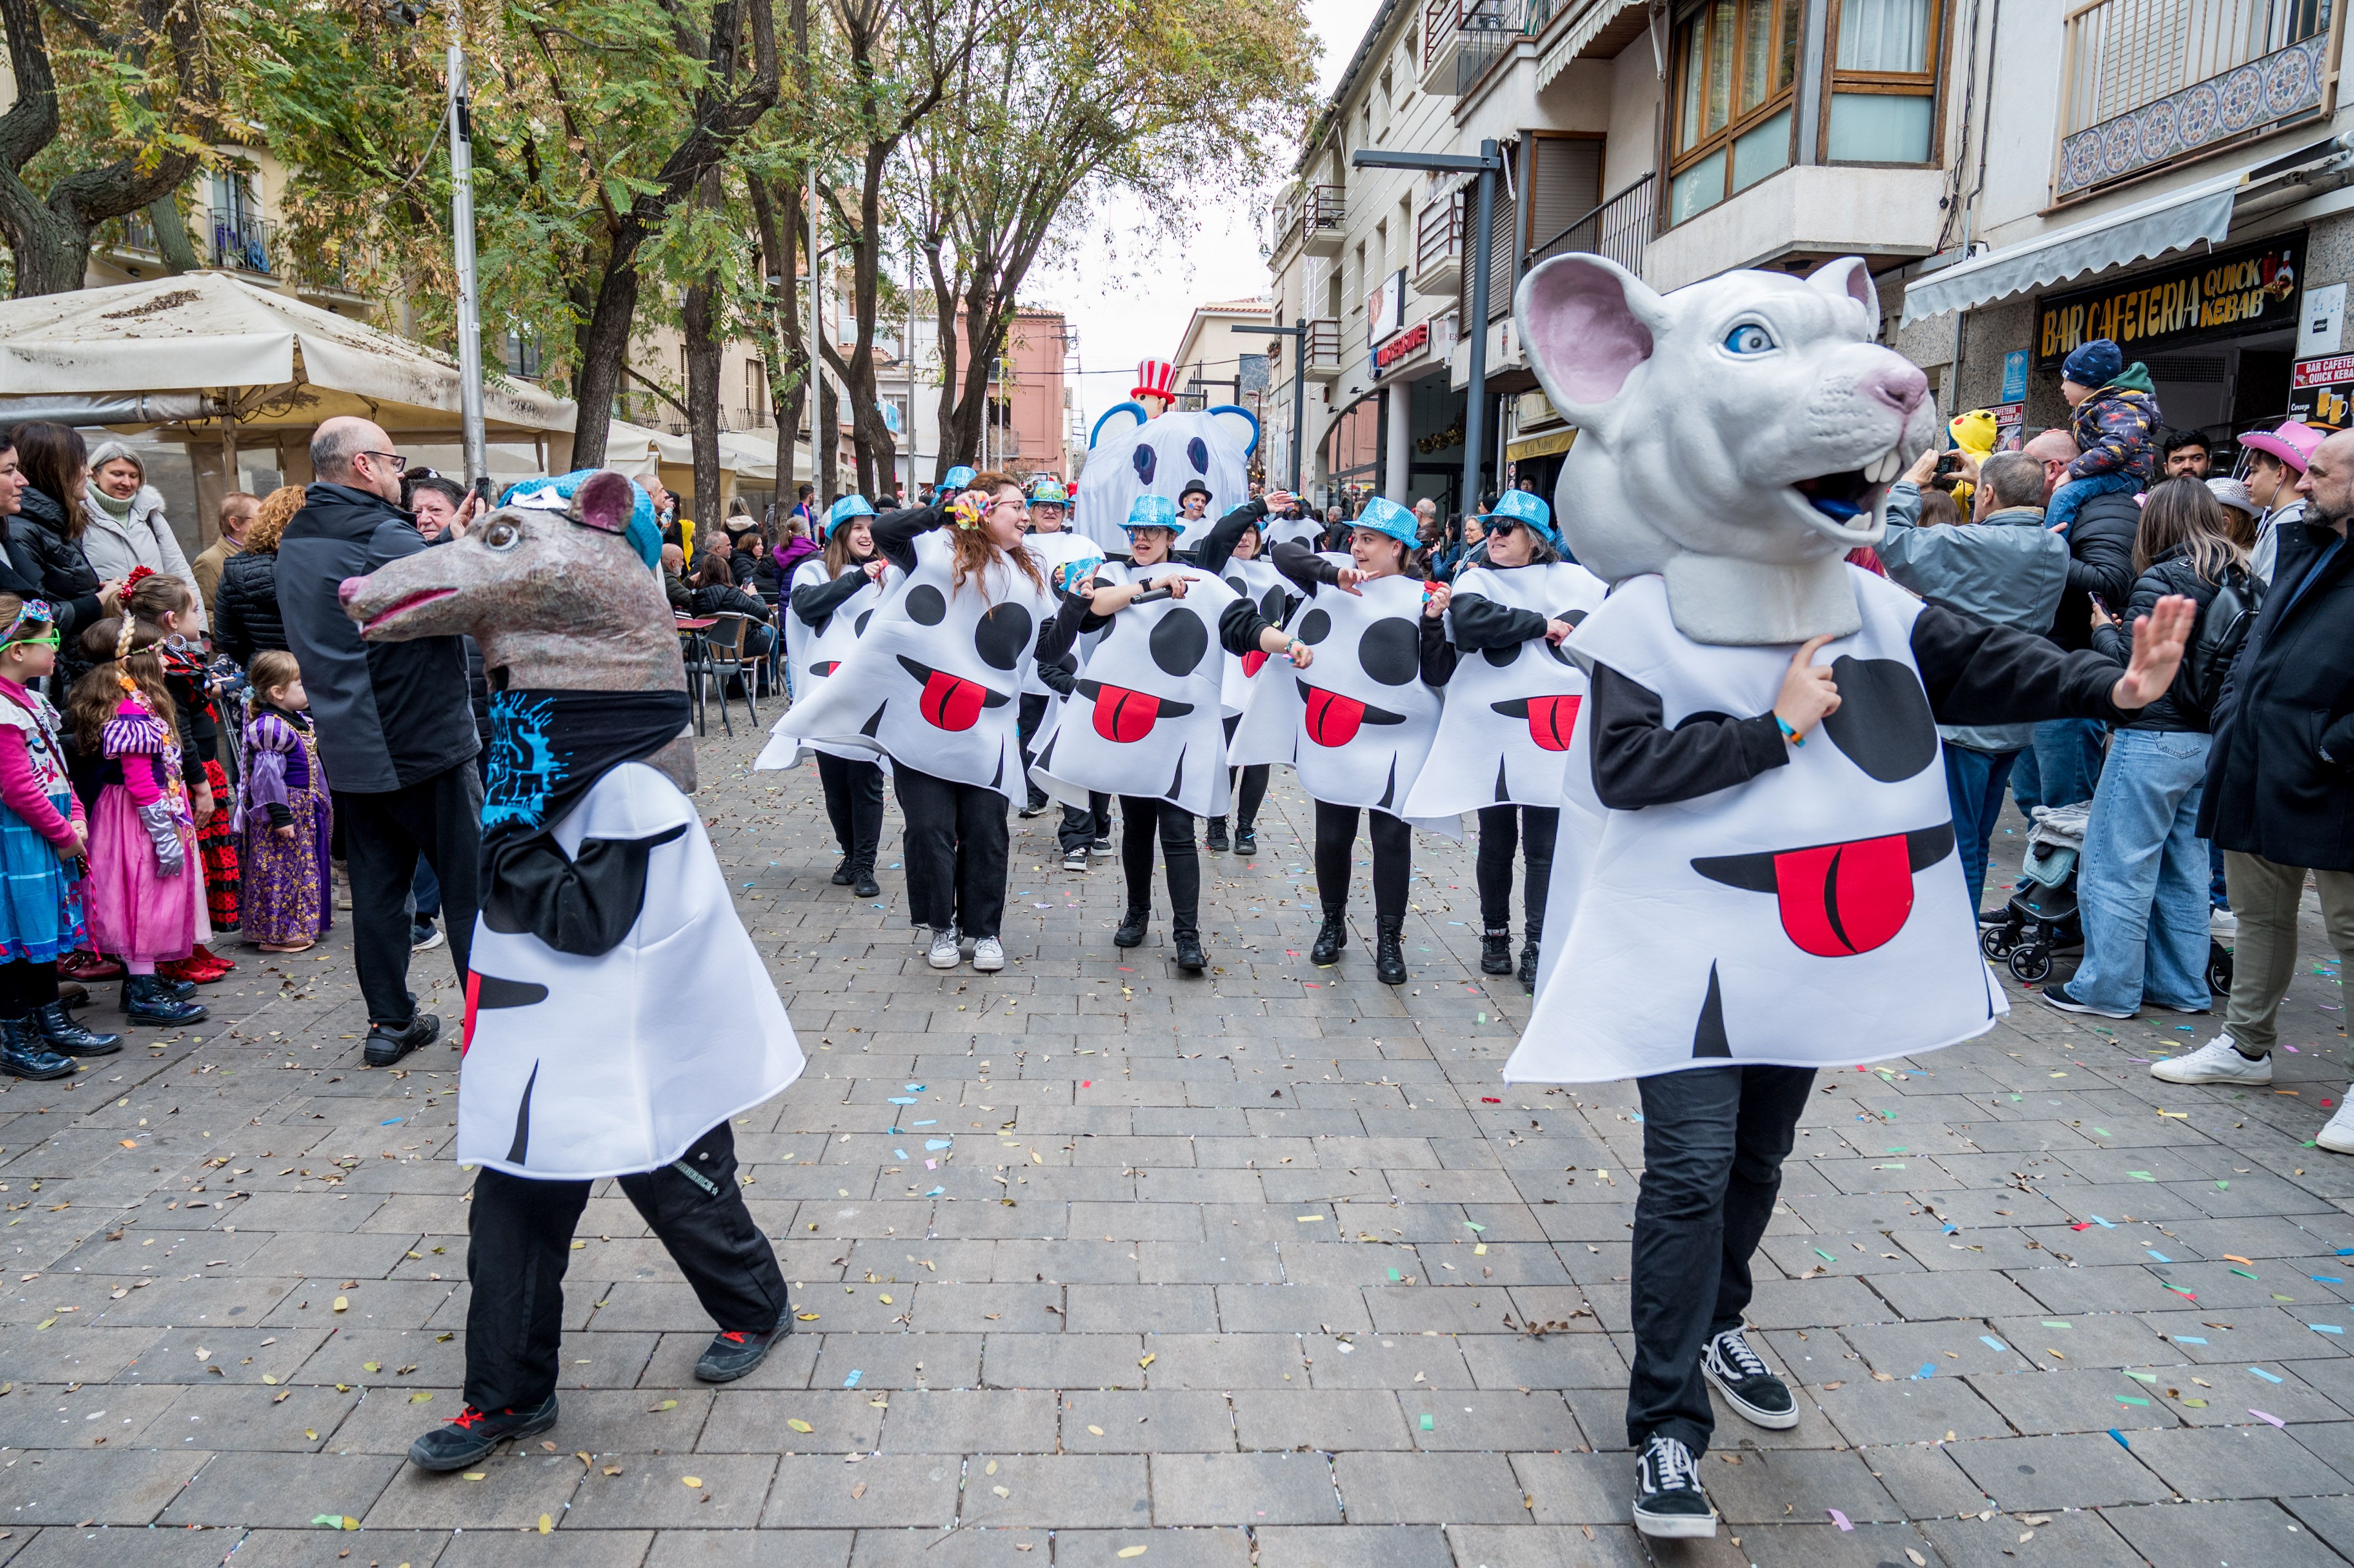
x=1566, y=186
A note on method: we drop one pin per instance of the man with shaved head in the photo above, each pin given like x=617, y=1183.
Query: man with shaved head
x=2064, y=764
x=396, y=730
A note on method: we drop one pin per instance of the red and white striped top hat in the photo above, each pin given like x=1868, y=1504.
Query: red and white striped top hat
x=1153, y=379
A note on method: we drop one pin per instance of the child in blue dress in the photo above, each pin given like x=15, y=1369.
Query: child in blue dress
x=41, y=837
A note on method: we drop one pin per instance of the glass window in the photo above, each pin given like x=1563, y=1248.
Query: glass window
x=1737, y=65
x=1878, y=128
x=1884, y=35
x=1884, y=83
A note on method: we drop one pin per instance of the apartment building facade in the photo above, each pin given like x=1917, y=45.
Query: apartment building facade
x=1680, y=138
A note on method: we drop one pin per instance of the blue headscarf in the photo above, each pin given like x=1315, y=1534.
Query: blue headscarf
x=643, y=534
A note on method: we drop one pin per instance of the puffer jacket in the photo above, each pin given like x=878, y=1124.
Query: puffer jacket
x=2170, y=573
x=2116, y=429
x=142, y=538
x=57, y=570
x=245, y=610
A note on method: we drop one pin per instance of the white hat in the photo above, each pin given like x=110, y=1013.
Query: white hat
x=2232, y=493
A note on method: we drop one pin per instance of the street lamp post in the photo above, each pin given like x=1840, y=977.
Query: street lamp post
x=1299, y=335
x=1487, y=165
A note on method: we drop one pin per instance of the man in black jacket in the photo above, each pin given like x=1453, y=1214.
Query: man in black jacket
x=2064, y=764
x=2280, y=780
x=394, y=729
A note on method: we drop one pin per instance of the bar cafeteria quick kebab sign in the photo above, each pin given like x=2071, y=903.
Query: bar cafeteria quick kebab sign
x=2249, y=288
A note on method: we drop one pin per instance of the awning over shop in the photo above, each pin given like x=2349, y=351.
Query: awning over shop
x=1607, y=26
x=2171, y=222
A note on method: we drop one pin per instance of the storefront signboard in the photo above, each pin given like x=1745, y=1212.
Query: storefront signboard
x=2014, y=375
x=2248, y=288
x=2321, y=390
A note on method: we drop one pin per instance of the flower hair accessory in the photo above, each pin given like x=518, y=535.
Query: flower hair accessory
x=965, y=512
x=138, y=575
x=35, y=610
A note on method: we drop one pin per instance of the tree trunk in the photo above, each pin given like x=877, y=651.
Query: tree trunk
x=699, y=316
x=604, y=350
x=172, y=235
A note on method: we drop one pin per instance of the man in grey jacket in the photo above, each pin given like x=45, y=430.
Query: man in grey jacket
x=2003, y=566
x=395, y=728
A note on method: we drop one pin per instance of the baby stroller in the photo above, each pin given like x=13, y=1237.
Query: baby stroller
x=2041, y=919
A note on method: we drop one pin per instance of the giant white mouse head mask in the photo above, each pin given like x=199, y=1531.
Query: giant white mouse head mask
x=1737, y=434
x=1129, y=455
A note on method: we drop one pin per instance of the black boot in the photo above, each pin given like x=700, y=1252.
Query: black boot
x=842, y=873
x=1131, y=928
x=1495, y=951
x=1245, y=840
x=149, y=998
x=1330, y=938
x=57, y=1028
x=865, y=886
x=23, y=1054
x=1529, y=955
x=1188, y=943
x=1389, y=954
x=1215, y=841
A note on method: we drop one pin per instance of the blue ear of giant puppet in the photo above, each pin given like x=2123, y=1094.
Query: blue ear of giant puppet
x=1238, y=422
x=1133, y=412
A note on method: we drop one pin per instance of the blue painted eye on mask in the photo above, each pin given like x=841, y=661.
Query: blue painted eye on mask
x=1145, y=461
x=1199, y=451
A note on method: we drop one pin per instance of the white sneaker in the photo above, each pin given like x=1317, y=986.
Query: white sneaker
x=2220, y=1062
x=989, y=954
x=2339, y=1135
x=945, y=954
x=2223, y=924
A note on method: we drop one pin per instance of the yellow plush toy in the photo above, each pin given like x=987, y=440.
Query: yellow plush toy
x=1974, y=433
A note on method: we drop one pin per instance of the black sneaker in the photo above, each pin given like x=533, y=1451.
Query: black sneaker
x=842, y=877
x=388, y=1042
x=1190, y=956
x=1214, y=839
x=1495, y=951
x=1246, y=841
x=867, y=887
x=470, y=1438
x=1033, y=809
x=1740, y=1374
x=2058, y=996
x=1668, y=1499
x=738, y=1352
x=1101, y=847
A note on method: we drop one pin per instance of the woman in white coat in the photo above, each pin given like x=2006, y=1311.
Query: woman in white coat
x=127, y=526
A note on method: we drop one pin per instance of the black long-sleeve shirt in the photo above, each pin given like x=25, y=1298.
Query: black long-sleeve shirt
x=894, y=540
x=1976, y=674
x=1217, y=547
x=816, y=602
x=1481, y=623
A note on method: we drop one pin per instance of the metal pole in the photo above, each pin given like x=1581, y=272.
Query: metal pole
x=1299, y=396
x=469, y=320
x=816, y=364
x=1475, y=402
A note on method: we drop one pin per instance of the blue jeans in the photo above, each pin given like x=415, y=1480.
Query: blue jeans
x=2061, y=510
x=1974, y=781
x=2062, y=768
x=2142, y=887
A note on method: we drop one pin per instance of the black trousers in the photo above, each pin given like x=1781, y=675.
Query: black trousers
x=1713, y=1143
x=1251, y=792
x=521, y=1240
x=439, y=818
x=957, y=846
x=26, y=985
x=1138, y=818
x=1032, y=712
x=1082, y=828
x=854, y=801
x=1499, y=834
x=1336, y=845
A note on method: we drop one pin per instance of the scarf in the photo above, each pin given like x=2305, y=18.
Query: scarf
x=548, y=749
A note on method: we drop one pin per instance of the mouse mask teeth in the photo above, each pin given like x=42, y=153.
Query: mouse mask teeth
x=1848, y=495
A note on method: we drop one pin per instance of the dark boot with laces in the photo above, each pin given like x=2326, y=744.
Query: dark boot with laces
x=1495, y=951
x=57, y=1028
x=24, y=1054
x=1530, y=954
x=1331, y=938
x=1187, y=941
x=1389, y=952
x=1741, y=1375
x=1668, y=1499
x=1131, y=928
x=471, y=1436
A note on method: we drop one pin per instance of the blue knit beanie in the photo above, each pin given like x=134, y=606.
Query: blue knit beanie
x=2094, y=363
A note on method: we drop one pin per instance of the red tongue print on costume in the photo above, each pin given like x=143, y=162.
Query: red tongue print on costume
x=1551, y=719
x=1837, y=900
x=949, y=701
x=1253, y=661
x=1123, y=716
x=1332, y=719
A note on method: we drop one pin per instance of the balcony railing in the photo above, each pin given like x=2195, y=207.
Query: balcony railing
x=1463, y=39
x=132, y=231
x=2144, y=81
x=1315, y=221
x=239, y=239
x=1618, y=229
x=1323, y=351
x=1438, y=246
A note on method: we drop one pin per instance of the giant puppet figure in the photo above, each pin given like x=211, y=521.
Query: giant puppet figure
x=1755, y=874
x=616, y=1015
x=1138, y=448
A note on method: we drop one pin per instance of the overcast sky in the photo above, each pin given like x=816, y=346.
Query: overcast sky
x=1127, y=306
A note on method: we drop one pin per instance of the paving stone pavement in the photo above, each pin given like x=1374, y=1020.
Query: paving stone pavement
x=1096, y=1263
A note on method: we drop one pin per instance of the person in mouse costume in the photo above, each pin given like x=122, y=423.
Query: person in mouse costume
x=1509, y=713
x=1756, y=873
x=617, y=1015
x=831, y=597
x=933, y=684
x=1143, y=447
x=1356, y=732
x=1145, y=722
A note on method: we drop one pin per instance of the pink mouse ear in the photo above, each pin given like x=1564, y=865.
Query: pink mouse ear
x=604, y=502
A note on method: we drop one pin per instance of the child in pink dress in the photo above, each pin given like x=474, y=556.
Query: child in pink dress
x=143, y=902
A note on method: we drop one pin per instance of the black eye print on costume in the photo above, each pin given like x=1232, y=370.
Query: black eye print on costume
x=1145, y=461
x=1198, y=452
x=927, y=605
x=1242, y=588
x=1270, y=604
x=1179, y=642
x=1882, y=724
x=1501, y=655
x=1004, y=633
x=1390, y=650
x=864, y=617
x=1315, y=627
